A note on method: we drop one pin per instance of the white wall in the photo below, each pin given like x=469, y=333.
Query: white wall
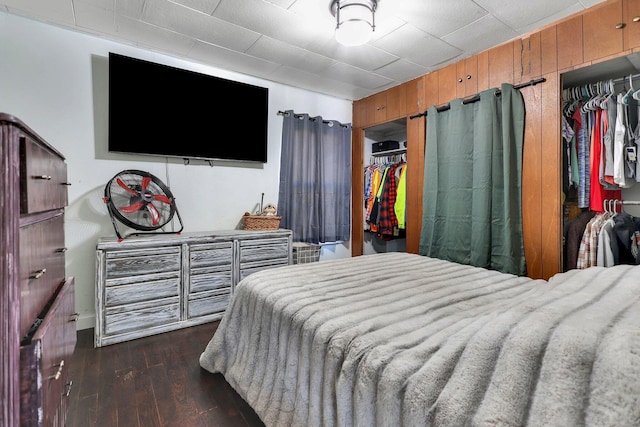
x=56, y=82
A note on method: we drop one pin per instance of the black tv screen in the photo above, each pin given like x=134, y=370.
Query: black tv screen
x=171, y=112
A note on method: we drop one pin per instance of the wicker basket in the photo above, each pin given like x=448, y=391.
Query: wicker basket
x=261, y=222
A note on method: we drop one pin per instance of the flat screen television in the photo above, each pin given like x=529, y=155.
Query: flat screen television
x=159, y=110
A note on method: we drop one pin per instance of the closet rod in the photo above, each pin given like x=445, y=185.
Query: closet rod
x=477, y=97
x=282, y=113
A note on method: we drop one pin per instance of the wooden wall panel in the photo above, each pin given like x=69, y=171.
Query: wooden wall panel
x=483, y=71
x=431, y=89
x=501, y=60
x=415, y=177
x=569, y=40
x=551, y=176
x=548, y=50
x=531, y=180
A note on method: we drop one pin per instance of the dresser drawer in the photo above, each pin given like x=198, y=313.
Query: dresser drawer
x=248, y=268
x=131, y=263
x=45, y=360
x=42, y=266
x=206, y=279
x=264, y=249
x=119, y=292
x=207, y=304
x=142, y=315
x=43, y=178
x=212, y=254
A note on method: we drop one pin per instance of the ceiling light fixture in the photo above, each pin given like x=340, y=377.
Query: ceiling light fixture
x=355, y=20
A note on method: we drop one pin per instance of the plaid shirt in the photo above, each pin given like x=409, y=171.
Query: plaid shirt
x=387, y=221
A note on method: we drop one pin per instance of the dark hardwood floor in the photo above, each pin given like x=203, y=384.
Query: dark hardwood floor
x=152, y=381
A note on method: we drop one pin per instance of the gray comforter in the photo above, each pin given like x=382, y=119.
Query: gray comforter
x=398, y=339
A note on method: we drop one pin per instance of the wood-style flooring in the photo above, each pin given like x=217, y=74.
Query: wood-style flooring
x=152, y=381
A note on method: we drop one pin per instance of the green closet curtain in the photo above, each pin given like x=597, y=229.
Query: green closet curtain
x=472, y=207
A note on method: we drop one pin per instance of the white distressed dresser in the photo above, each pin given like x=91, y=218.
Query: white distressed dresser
x=151, y=284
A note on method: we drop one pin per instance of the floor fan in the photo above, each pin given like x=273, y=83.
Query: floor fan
x=140, y=201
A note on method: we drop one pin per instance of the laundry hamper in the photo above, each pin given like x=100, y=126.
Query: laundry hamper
x=304, y=253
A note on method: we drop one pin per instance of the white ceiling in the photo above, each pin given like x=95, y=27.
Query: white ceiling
x=292, y=41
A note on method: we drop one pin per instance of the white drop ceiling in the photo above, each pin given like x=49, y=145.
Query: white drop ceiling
x=292, y=41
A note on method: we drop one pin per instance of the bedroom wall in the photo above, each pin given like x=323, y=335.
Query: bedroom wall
x=56, y=81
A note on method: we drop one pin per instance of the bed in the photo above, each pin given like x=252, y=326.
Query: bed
x=400, y=339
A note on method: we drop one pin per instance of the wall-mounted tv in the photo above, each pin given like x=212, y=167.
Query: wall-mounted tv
x=165, y=111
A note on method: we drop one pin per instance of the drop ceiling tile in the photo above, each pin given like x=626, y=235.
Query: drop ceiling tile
x=481, y=35
x=94, y=18
x=130, y=8
x=53, y=11
x=518, y=14
x=552, y=18
x=357, y=77
x=151, y=37
x=231, y=60
x=293, y=56
x=402, y=70
x=367, y=57
x=438, y=19
x=271, y=20
x=204, y=6
x=320, y=84
x=589, y=3
x=425, y=49
x=198, y=25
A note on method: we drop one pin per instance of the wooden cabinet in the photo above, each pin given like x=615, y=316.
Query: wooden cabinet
x=631, y=19
x=153, y=284
x=37, y=314
x=447, y=84
x=467, y=77
x=603, y=29
x=381, y=107
x=569, y=43
x=415, y=96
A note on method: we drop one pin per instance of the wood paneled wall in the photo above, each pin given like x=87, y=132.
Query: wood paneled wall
x=605, y=31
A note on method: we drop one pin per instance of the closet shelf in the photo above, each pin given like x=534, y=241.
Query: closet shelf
x=389, y=152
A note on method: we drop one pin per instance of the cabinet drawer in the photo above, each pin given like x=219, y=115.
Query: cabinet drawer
x=264, y=249
x=210, y=279
x=118, y=293
x=139, y=316
x=205, y=255
x=42, y=266
x=45, y=363
x=131, y=263
x=252, y=267
x=43, y=178
x=210, y=304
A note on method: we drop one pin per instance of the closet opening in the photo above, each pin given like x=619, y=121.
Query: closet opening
x=600, y=142
x=385, y=160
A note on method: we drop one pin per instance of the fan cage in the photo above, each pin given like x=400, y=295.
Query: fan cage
x=140, y=201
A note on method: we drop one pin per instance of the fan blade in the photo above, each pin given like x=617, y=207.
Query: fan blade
x=134, y=207
x=145, y=182
x=155, y=215
x=122, y=184
x=162, y=198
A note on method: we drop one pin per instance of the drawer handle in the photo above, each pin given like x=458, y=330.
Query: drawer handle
x=62, y=250
x=59, y=372
x=38, y=274
x=68, y=385
x=65, y=183
x=75, y=316
x=44, y=177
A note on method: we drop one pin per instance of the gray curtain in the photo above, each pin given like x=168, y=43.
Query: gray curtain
x=315, y=178
x=472, y=208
